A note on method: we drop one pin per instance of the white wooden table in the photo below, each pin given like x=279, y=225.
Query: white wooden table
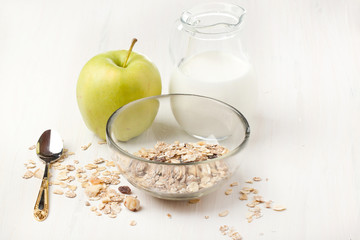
x=305, y=139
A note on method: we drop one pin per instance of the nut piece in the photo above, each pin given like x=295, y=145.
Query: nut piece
x=124, y=189
x=132, y=203
x=133, y=223
x=224, y=213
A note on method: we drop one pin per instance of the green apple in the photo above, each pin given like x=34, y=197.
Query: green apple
x=111, y=80
x=134, y=118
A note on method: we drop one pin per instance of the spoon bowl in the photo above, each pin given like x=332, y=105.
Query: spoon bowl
x=49, y=148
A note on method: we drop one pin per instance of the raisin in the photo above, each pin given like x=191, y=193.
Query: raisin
x=212, y=156
x=125, y=189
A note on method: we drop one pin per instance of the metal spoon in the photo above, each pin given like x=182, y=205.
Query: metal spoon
x=49, y=149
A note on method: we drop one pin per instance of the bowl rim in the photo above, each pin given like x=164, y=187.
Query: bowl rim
x=111, y=142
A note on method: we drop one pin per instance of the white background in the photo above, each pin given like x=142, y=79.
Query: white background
x=305, y=138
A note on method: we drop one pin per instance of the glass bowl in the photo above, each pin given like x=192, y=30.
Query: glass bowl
x=184, y=118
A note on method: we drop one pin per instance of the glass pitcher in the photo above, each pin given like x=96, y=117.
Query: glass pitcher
x=209, y=59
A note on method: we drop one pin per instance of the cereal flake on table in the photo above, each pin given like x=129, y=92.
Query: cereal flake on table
x=224, y=213
x=28, y=174
x=257, y=179
x=85, y=147
x=32, y=147
x=234, y=184
x=230, y=232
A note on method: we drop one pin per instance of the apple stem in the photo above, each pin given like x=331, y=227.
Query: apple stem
x=129, y=52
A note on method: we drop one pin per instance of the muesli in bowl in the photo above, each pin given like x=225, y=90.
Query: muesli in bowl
x=177, y=146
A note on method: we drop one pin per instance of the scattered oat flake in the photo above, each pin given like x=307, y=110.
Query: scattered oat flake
x=76, y=161
x=28, y=174
x=102, y=142
x=207, y=217
x=249, y=181
x=72, y=187
x=234, y=184
x=133, y=223
x=87, y=203
x=70, y=194
x=223, y=229
x=29, y=166
x=251, y=205
x=63, y=184
x=32, y=147
x=93, y=208
x=110, y=164
x=169, y=215
x=268, y=204
x=224, y=213
x=247, y=189
x=228, y=192
x=70, y=167
x=98, y=213
x=257, y=179
x=259, y=199
x=279, y=208
x=85, y=147
x=99, y=160
x=91, y=166
x=58, y=191
x=39, y=173
x=193, y=201
x=243, y=196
